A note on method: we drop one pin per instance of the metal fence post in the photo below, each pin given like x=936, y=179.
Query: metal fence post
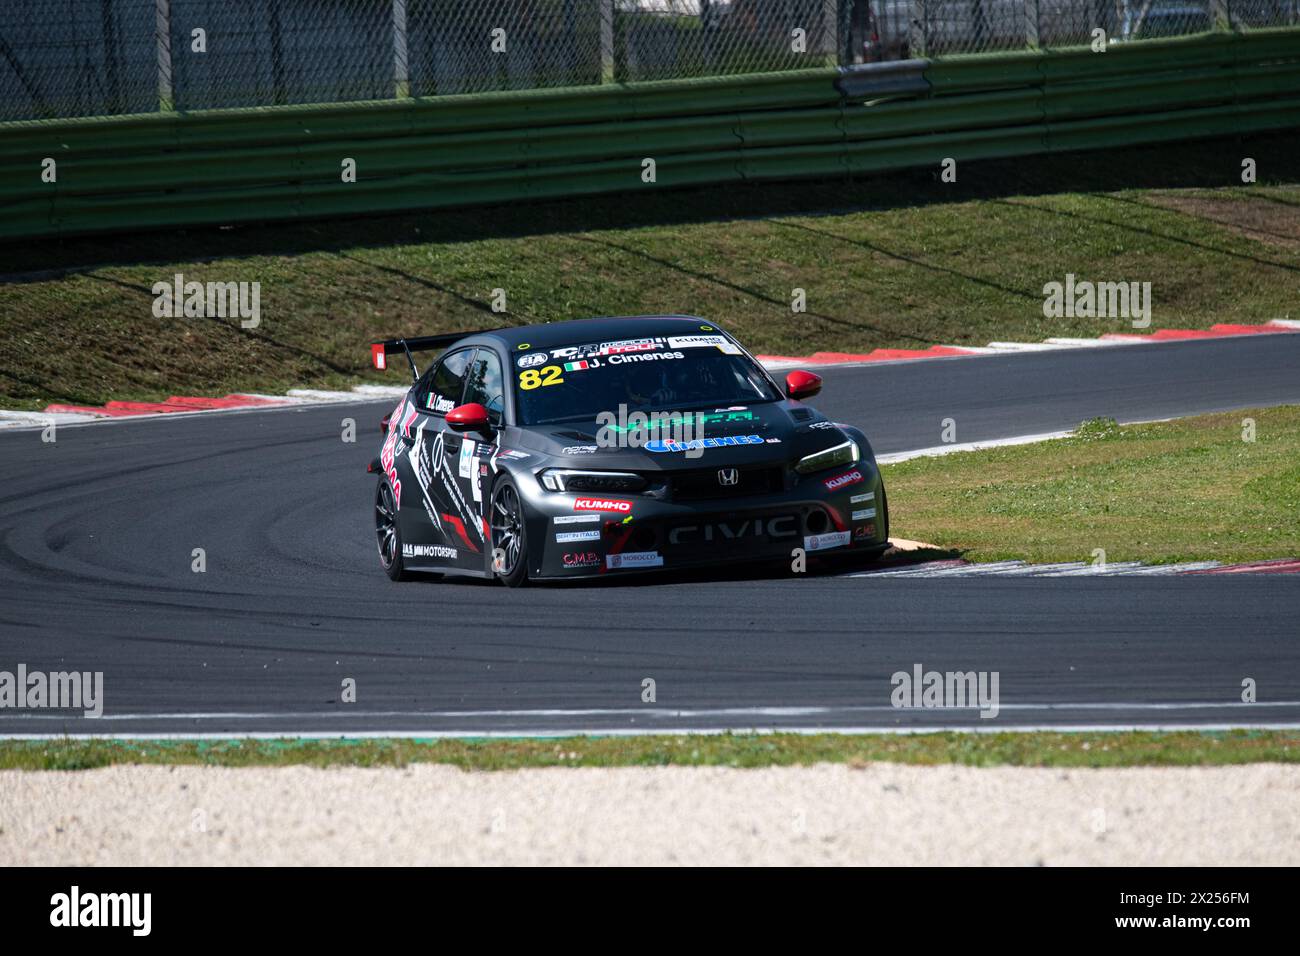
x=607, y=41
x=916, y=28
x=831, y=32
x=401, y=66
x=1219, y=14
x=163, y=44
x=1031, y=24
x=276, y=41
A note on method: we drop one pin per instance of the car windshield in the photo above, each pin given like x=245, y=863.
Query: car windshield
x=663, y=373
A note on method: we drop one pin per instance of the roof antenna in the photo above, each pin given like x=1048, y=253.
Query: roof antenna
x=415, y=373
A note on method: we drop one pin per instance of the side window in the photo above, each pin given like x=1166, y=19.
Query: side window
x=485, y=385
x=440, y=392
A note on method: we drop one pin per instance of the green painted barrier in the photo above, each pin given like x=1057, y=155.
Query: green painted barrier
x=284, y=163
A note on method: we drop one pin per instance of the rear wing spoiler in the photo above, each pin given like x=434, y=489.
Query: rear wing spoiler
x=379, y=351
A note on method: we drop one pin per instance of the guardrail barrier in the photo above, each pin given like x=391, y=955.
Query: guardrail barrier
x=173, y=169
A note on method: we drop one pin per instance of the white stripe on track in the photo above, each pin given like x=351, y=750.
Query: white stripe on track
x=322, y=395
x=1031, y=570
x=652, y=712
x=936, y=450
x=281, y=399
x=1091, y=570
x=975, y=570
x=383, y=391
x=41, y=419
x=1086, y=343
x=909, y=570
x=559, y=732
x=1026, y=346
x=1176, y=568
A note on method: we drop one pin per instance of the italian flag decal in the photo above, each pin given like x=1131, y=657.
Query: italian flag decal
x=575, y=366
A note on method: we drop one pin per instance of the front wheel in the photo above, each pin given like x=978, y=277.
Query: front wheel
x=387, y=534
x=884, y=511
x=509, y=539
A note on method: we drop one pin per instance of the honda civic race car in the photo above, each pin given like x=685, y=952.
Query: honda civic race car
x=608, y=446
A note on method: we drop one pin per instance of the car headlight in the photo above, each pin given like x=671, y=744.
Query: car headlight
x=833, y=457
x=565, y=479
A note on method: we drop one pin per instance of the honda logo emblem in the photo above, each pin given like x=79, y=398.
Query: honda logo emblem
x=728, y=476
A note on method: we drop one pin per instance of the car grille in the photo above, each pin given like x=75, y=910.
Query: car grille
x=701, y=484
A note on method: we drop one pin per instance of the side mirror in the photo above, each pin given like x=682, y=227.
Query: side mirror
x=469, y=418
x=801, y=384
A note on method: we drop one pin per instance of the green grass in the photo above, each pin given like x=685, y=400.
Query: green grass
x=1120, y=749
x=1186, y=490
x=901, y=260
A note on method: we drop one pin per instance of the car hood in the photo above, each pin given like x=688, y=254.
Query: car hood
x=771, y=433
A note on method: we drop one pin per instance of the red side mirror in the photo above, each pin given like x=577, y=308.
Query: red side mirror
x=801, y=384
x=469, y=418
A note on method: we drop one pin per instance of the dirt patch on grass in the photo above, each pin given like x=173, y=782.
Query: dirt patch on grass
x=1275, y=224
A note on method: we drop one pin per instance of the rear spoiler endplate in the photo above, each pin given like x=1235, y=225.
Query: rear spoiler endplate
x=379, y=351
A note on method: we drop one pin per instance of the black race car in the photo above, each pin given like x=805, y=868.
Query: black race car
x=607, y=446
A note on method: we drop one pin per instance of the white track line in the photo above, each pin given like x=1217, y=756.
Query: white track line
x=973, y=569
x=1034, y=569
x=383, y=391
x=937, y=450
x=924, y=569
x=41, y=419
x=282, y=399
x=1025, y=346
x=1176, y=568
x=660, y=713
x=321, y=395
x=680, y=732
x=1091, y=570
x=1087, y=343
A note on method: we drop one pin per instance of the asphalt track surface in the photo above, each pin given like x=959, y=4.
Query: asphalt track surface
x=97, y=532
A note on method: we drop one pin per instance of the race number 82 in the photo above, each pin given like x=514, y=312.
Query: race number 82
x=535, y=378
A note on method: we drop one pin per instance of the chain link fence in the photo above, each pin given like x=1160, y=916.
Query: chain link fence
x=662, y=39
x=61, y=58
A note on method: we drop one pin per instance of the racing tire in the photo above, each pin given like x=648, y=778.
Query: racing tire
x=509, y=537
x=878, y=552
x=884, y=511
x=388, y=534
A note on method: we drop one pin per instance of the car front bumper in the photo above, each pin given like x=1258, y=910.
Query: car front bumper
x=840, y=511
